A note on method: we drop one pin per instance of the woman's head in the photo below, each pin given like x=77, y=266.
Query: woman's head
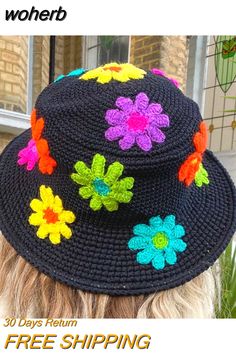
x=25, y=291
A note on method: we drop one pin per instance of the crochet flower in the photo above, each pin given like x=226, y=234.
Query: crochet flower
x=50, y=216
x=162, y=73
x=201, y=177
x=192, y=168
x=136, y=122
x=37, y=150
x=29, y=155
x=103, y=188
x=76, y=72
x=114, y=71
x=159, y=241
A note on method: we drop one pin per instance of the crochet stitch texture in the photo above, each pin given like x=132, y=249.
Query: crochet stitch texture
x=96, y=254
x=156, y=71
x=77, y=72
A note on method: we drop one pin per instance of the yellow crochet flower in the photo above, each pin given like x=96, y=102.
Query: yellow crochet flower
x=118, y=72
x=50, y=216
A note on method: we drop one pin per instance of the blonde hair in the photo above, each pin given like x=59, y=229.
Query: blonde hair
x=24, y=291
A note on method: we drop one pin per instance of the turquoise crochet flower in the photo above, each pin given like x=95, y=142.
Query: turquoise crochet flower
x=76, y=72
x=159, y=241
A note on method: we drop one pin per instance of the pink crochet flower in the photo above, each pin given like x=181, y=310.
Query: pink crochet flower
x=136, y=122
x=29, y=155
x=160, y=72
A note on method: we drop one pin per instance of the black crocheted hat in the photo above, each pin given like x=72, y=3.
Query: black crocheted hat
x=112, y=189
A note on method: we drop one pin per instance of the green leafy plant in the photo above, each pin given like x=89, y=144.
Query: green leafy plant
x=107, y=41
x=227, y=306
x=229, y=48
x=106, y=46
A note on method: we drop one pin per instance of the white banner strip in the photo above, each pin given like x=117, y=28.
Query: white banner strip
x=122, y=17
x=114, y=336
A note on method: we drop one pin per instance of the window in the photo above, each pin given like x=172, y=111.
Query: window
x=212, y=84
x=99, y=50
x=219, y=110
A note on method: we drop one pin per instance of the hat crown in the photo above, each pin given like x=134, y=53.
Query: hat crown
x=75, y=110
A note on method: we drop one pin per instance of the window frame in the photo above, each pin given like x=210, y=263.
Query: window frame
x=196, y=89
x=85, y=49
x=196, y=71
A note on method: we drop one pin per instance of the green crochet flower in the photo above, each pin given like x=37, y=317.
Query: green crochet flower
x=201, y=176
x=103, y=188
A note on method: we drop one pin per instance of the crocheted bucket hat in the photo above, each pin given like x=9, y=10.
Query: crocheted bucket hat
x=112, y=189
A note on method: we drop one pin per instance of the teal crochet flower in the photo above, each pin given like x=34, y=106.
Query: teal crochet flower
x=103, y=188
x=76, y=72
x=159, y=241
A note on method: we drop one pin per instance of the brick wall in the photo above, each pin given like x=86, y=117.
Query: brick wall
x=145, y=51
x=4, y=140
x=68, y=54
x=59, y=55
x=13, y=72
x=169, y=53
x=72, y=53
x=40, y=64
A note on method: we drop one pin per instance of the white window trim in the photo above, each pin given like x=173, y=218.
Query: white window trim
x=196, y=68
x=15, y=122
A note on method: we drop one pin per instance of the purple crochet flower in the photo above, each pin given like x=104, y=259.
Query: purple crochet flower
x=136, y=122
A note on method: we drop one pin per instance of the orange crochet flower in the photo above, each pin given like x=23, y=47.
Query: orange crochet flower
x=200, y=138
x=46, y=162
x=192, y=168
x=37, y=125
x=37, y=149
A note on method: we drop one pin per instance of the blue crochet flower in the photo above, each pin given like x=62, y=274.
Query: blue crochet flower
x=159, y=241
x=76, y=72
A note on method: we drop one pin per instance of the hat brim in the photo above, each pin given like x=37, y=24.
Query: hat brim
x=97, y=257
